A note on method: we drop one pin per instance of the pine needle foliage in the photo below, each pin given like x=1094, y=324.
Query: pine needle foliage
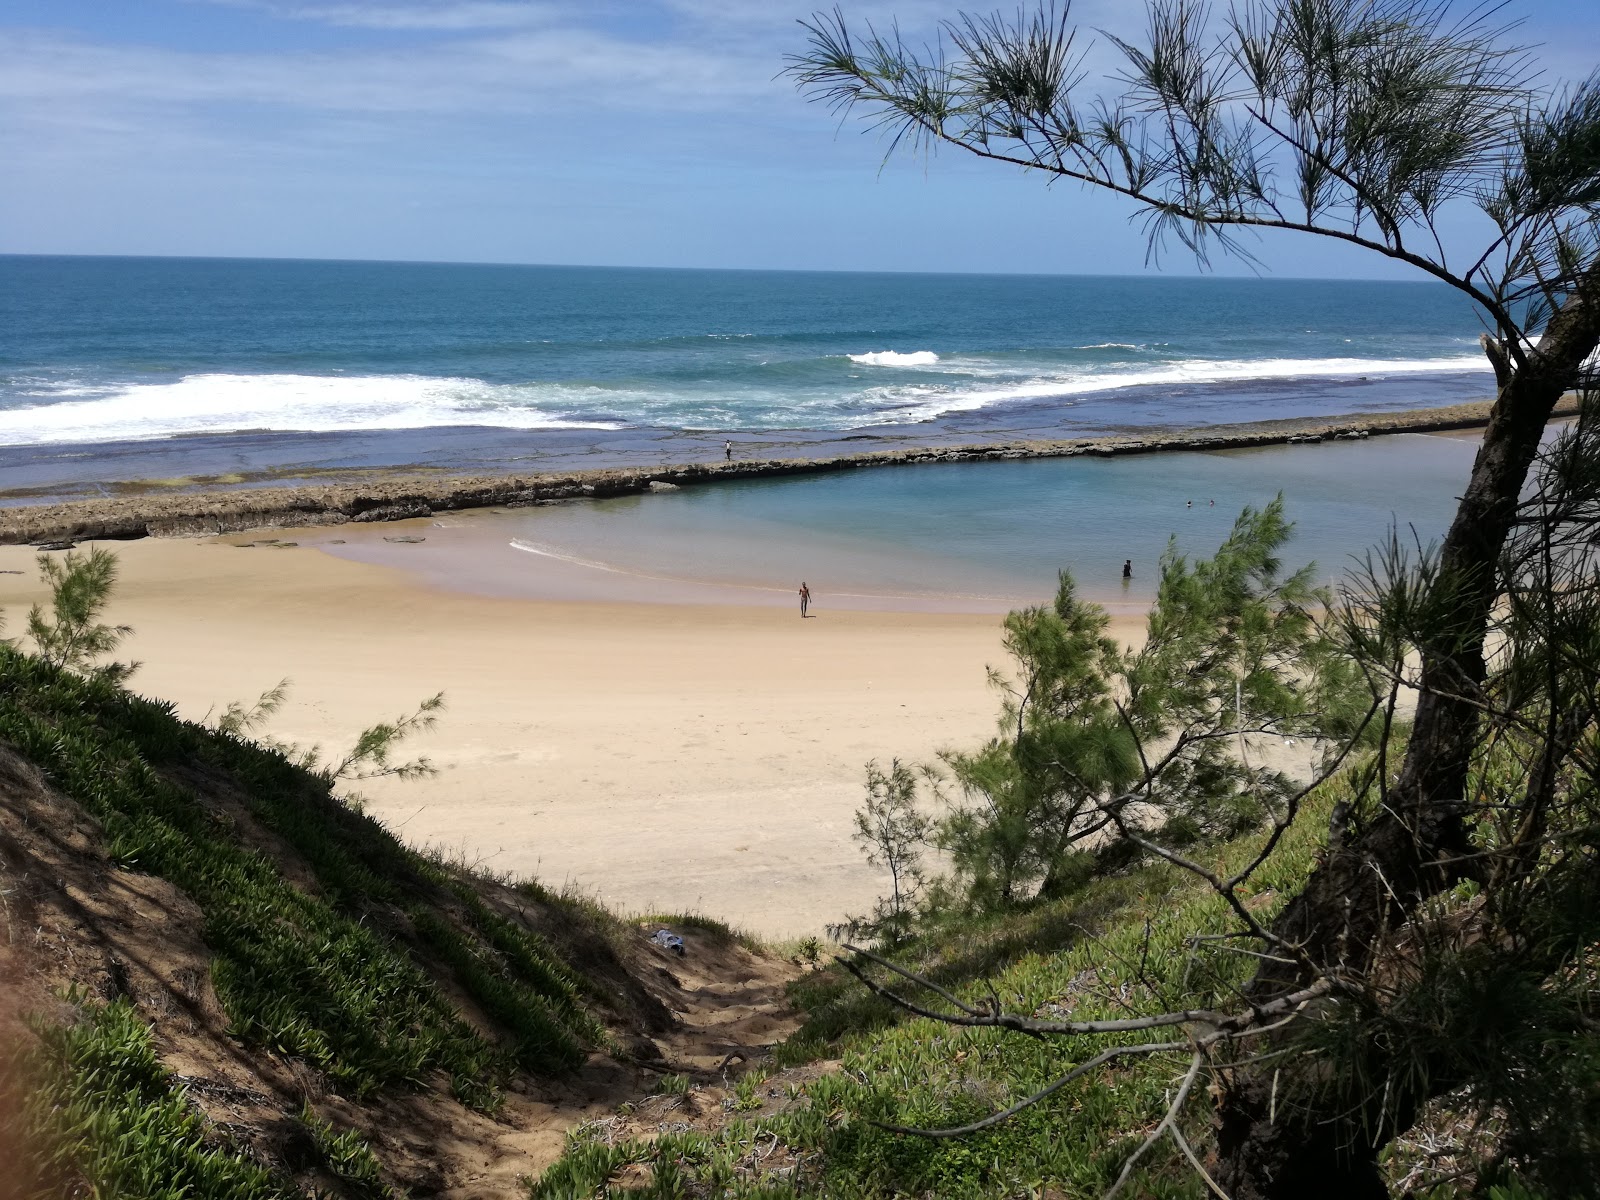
x=371, y=756
x=239, y=718
x=892, y=831
x=1095, y=739
x=69, y=633
x=1373, y=123
x=1360, y=120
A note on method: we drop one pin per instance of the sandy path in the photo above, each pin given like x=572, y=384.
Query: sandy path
x=663, y=757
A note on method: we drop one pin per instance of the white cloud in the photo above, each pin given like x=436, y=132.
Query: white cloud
x=438, y=15
x=522, y=71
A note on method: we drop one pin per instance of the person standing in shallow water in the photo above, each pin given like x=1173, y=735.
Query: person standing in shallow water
x=1127, y=569
x=805, y=598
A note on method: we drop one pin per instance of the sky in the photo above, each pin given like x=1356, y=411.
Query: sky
x=606, y=132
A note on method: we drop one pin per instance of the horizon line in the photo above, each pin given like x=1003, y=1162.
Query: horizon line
x=1260, y=277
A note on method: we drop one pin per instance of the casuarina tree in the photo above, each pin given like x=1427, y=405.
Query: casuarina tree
x=1375, y=123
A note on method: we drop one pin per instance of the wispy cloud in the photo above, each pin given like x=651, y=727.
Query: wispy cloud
x=316, y=126
x=518, y=71
x=438, y=15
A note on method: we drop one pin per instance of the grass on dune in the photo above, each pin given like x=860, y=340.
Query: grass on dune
x=347, y=1157
x=106, y=1120
x=1081, y=955
x=340, y=975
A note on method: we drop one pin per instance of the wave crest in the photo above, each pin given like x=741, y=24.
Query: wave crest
x=895, y=358
x=221, y=403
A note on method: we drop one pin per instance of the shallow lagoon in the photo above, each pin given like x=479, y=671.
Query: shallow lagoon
x=960, y=537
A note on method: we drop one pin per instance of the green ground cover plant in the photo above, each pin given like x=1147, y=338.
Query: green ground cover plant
x=338, y=975
x=347, y=1157
x=110, y=1122
x=1085, y=1039
x=1120, y=944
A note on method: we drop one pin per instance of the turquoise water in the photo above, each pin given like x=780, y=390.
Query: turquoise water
x=968, y=537
x=118, y=350
x=139, y=368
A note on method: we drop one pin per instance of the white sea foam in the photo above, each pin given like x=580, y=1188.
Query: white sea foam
x=226, y=403
x=924, y=402
x=71, y=411
x=894, y=358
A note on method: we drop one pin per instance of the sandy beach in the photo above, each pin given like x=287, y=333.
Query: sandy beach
x=638, y=710
x=661, y=757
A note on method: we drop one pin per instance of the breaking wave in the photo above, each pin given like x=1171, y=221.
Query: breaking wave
x=806, y=393
x=234, y=403
x=893, y=358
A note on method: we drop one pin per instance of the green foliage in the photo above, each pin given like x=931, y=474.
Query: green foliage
x=347, y=1157
x=307, y=974
x=891, y=830
x=70, y=635
x=585, y=1168
x=240, y=719
x=1094, y=740
x=370, y=757
x=747, y=1092
x=677, y=1166
x=1121, y=944
x=542, y=1028
x=97, y=1094
x=1034, y=789
x=1364, y=121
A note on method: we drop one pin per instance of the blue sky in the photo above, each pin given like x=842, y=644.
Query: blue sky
x=625, y=132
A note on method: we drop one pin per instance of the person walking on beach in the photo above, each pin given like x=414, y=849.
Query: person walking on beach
x=727, y=451
x=805, y=599
x=1127, y=568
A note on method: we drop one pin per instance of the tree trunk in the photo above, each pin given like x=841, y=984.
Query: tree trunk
x=1268, y=1155
x=1376, y=879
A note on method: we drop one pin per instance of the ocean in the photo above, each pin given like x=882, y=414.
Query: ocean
x=129, y=368
x=187, y=373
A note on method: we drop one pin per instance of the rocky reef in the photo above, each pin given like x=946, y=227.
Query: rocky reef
x=399, y=496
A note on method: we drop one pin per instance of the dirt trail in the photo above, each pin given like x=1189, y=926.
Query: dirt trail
x=729, y=1002
x=729, y=1009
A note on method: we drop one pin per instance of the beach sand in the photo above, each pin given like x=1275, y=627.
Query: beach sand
x=660, y=757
